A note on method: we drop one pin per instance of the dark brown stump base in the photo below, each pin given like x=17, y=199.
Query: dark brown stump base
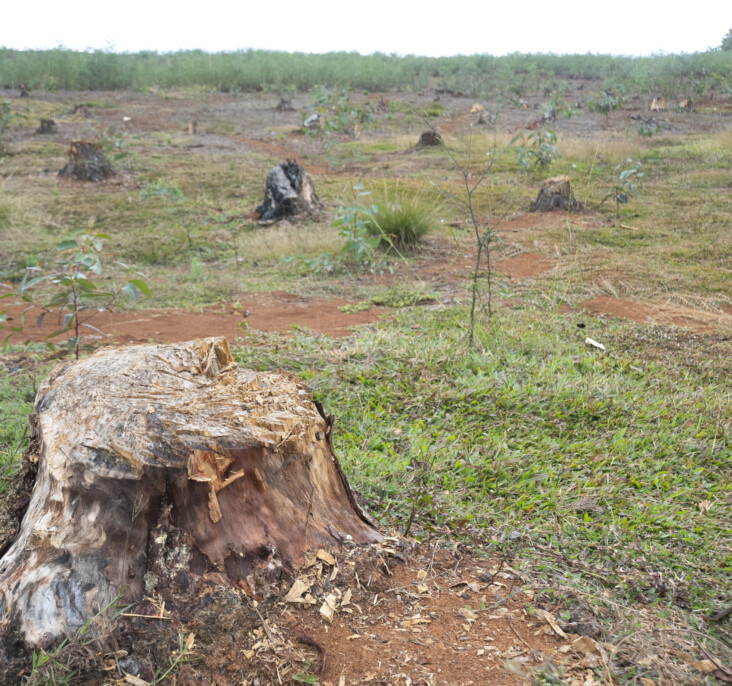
x=556, y=194
x=87, y=163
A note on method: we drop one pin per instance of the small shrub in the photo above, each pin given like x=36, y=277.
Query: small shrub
x=537, y=151
x=74, y=295
x=8, y=119
x=401, y=224
x=608, y=102
x=196, y=273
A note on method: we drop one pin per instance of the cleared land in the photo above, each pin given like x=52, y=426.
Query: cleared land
x=598, y=479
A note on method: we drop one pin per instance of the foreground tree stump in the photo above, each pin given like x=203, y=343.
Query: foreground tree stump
x=131, y=440
x=555, y=194
x=289, y=191
x=87, y=163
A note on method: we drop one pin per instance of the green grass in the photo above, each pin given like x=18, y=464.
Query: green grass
x=518, y=435
x=538, y=445
x=403, y=221
x=17, y=390
x=510, y=76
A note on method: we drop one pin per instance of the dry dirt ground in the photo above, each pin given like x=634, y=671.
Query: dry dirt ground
x=396, y=612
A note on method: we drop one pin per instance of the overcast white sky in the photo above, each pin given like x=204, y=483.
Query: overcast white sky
x=620, y=27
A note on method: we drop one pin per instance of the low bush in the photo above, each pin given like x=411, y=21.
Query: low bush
x=400, y=220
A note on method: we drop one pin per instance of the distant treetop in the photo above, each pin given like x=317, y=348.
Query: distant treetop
x=727, y=41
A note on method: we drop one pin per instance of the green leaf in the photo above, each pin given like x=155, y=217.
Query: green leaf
x=67, y=244
x=130, y=290
x=304, y=678
x=142, y=285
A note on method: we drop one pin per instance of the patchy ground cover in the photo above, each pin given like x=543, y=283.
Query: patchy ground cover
x=531, y=474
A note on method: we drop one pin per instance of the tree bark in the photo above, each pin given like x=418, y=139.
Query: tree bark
x=240, y=462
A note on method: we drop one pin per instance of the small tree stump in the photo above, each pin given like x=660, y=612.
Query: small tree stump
x=87, y=163
x=289, y=191
x=135, y=444
x=47, y=126
x=429, y=139
x=555, y=194
x=285, y=105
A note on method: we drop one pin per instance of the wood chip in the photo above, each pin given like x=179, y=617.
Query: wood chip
x=325, y=557
x=468, y=614
x=552, y=621
x=327, y=609
x=294, y=595
x=594, y=343
x=704, y=666
x=346, y=598
x=135, y=680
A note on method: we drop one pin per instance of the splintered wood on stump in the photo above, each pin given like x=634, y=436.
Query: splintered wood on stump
x=556, y=194
x=87, y=163
x=289, y=191
x=240, y=462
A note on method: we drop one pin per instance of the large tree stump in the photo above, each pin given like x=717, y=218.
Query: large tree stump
x=240, y=463
x=87, y=163
x=289, y=191
x=555, y=194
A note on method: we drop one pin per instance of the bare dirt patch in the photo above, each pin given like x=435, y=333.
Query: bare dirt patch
x=525, y=265
x=650, y=313
x=389, y=613
x=277, y=312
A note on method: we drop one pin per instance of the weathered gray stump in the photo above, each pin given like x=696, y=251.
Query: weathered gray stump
x=289, y=191
x=240, y=462
x=555, y=194
x=87, y=163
